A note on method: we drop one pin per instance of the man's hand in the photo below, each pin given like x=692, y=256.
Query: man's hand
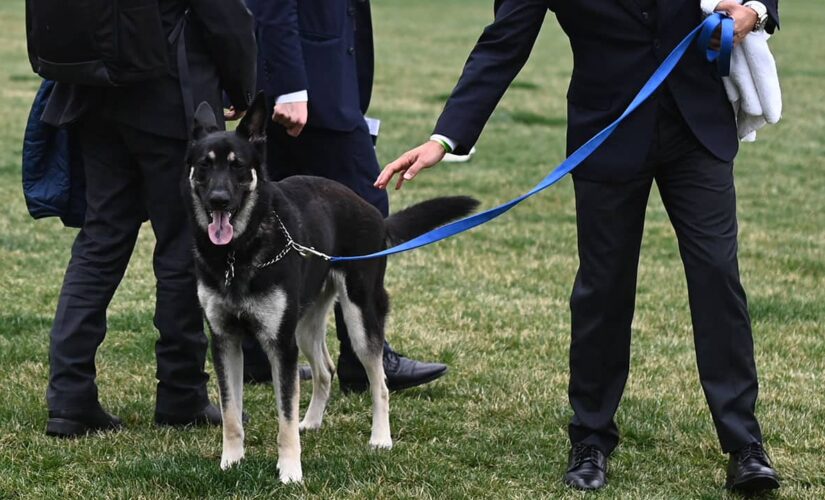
x=292, y=115
x=232, y=114
x=410, y=163
x=744, y=20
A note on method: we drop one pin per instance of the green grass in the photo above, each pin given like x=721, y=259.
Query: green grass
x=492, y=304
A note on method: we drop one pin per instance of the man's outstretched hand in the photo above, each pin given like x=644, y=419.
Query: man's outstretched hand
x=410, y=163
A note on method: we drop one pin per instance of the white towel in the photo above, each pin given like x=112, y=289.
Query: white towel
x=753, y=84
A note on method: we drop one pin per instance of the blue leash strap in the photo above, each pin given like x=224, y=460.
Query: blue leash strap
x=721, y=57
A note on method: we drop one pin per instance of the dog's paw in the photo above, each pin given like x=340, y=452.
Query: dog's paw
x=290, y=471
x=381, y=443
x=231, y=457
x=309, y=425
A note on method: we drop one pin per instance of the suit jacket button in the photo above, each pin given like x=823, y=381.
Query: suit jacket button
x=351, y=50
x=646, y=16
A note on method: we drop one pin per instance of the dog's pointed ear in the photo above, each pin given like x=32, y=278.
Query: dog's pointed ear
x=253, y=125
x=204, y=122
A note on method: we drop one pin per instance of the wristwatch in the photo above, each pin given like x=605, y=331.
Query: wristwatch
x=761, y=14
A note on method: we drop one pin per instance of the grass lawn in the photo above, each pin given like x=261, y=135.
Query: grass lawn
x=492, y=304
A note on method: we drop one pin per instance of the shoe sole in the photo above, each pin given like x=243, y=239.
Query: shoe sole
x=753, y=484
x=64, y=428
x=357, y=389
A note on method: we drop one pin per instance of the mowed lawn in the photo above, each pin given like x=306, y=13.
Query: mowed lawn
x=493, y=304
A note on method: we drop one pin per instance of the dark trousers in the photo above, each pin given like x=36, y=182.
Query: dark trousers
x=698, y=193
x=346, y=157
x=130, y=175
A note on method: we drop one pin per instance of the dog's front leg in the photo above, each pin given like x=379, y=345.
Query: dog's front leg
x=228, y=359
x=282, y=352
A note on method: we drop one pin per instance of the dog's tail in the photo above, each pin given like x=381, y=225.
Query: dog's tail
x=422, y=217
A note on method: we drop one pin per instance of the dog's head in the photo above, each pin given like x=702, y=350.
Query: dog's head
x=225, y=170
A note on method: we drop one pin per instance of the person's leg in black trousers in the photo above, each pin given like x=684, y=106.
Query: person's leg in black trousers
x=100, y=254
x=127, y=173
x=348, y=158
x=181, y=348
x=610, y=222
x=699, y=195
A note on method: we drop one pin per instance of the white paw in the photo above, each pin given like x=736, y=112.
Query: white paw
x=290, y=471
x=230, y=457
x=309, y=425
x=381, y=443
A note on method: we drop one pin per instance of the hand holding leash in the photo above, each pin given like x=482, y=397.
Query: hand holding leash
x=410, y=163
x=744, y=21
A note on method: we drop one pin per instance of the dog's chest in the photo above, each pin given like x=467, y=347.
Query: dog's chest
x=225, y=313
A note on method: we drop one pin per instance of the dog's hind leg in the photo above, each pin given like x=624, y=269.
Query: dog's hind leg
x=228, y=359
x=365, y=330
x=311, y=336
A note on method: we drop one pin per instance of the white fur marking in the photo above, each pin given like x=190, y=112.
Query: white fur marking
x=211, y=155
x=231, y=156
x=254, y=182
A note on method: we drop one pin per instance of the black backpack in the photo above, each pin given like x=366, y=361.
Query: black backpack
x=96, y=42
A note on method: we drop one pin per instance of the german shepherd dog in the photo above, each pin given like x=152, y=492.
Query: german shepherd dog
x=253, y=280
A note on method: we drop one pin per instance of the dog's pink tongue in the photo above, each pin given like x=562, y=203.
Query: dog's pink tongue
x=220, y=230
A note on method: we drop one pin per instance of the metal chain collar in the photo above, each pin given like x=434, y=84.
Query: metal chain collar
x=229, y=275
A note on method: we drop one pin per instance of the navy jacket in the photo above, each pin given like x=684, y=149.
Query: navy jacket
x=322, y=46
x=53, y=180
x=616, y=47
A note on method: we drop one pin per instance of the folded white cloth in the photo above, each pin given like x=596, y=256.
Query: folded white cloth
x=753, y=84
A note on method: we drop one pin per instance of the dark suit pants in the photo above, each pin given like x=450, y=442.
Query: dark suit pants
x=698, y=193
x=345, y=157
x=130, y=175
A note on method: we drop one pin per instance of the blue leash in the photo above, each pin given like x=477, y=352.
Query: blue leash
x=722, y=59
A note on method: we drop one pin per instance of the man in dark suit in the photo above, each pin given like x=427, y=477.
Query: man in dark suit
x=133, y=141
x=685, y=139
x=315, y=66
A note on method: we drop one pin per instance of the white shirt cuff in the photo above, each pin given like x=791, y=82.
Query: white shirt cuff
x=300, y=96
x=446, y=140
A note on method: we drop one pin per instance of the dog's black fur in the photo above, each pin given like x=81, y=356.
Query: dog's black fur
x=284, y=304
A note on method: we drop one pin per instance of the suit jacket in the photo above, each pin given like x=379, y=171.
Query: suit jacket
x=616, y=47
x=221, y=54
x=322, y=46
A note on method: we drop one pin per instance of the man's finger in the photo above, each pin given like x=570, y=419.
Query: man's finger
x=295, y=130
x=391, y=169
x=410, y=173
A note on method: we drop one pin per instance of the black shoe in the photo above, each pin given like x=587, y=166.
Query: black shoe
x=586, y=467
x=74, y=423
x=750, y=470
x=304, y=372
x=211, y=415
x=401, y=372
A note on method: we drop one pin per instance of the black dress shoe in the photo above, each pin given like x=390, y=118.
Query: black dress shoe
x=210, y=415
x=74, y=423
x=304, y=372
x=586, y=467
x=401, y=372
x=750, y=470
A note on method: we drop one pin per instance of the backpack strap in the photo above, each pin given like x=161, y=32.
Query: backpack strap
x=178, y=36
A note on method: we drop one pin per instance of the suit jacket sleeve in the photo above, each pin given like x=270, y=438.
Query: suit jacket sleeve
x=280, y=45
x=496, y=59
x=229, y=36
x=773, y=14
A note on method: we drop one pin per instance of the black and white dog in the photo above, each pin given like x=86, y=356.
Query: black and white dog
x=257, y=275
